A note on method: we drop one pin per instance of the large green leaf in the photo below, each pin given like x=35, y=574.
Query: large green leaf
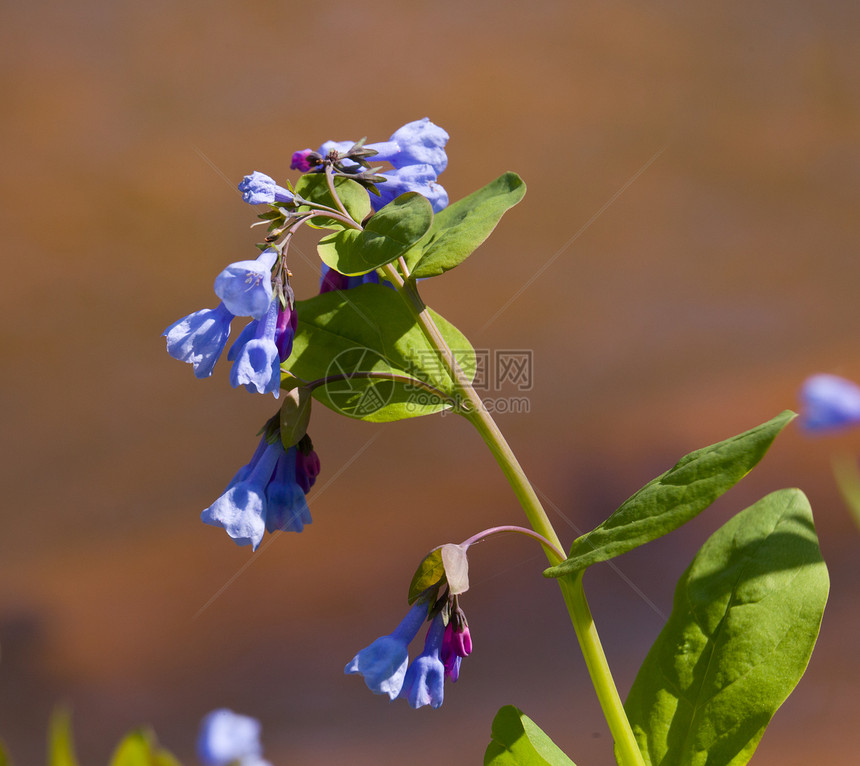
x=518, y=741
x=388, y=234
x=139, y=748
x=61, y=749
x=462, y=226
x=745, y=618
x=314, y=188
x=344, y=336
x=673, y=498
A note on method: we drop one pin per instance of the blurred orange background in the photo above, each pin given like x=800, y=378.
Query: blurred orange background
x=675, y=307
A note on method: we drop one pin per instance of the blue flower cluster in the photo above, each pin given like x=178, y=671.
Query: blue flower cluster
x=385, y=663
x=416, y=153
x=267, y=494
x=246, y=290
x=229, y=739
x=829, y=402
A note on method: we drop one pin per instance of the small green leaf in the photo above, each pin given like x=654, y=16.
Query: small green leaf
x=344, y=337
x=744, y=622
x=430, y=572
x=462, y=226
x=675, y=497
x=61, y=749
x=139, y=748
x=313, y=187
x=388, y=234
x=518, y=741
x=4, y=756
x=456, y=568
x=295, y=415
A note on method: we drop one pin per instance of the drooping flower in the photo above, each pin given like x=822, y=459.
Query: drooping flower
x=424, y=683
x=227, y=739
x=383, y=664
x=286, y=507
x=245, y=287
x=260, y=189
x=268, y=493
x=256, y=356
x=199, y=338
x=829, y=402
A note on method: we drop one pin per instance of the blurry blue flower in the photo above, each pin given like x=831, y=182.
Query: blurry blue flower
x=829, y=402
x=199, y=338
x=267, y=494
x=257, y=364
x=424, y=683
x=245, y=287
x=260, y=189
x=227, y=738
x=383, y=663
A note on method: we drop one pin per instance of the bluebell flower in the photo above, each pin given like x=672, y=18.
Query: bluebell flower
x=245, y=287
x=199, y=338
x=241, y=510
x=255, y=355
x=829, y=402
x=229, y=739
x=267, y=494
x=260, y=189
x=383, y=664
x=417, y=155
x=287, y=509
x=417, y=178
x=424, y=683
x=416, y=143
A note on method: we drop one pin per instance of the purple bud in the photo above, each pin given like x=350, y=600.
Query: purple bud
x=285, y=331
x=302, y=161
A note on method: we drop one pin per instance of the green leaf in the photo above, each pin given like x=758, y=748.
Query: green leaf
x=295, y=415
x=744, y=622
x=462, y=226
x=343, y=337
x=388, y=234
x=139, y=748
x=430, y=572
x=848, y=480
x=4, y=756
x=313, y=187
x=518, y=741
x=673, y=498
x=61, y=749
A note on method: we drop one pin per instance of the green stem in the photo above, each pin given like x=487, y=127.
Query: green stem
x=571, y=588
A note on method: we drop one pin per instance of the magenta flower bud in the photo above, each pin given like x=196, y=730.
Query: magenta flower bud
x=302, y=160
x=285, y=331
x=307, y=469
x=462, y=642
